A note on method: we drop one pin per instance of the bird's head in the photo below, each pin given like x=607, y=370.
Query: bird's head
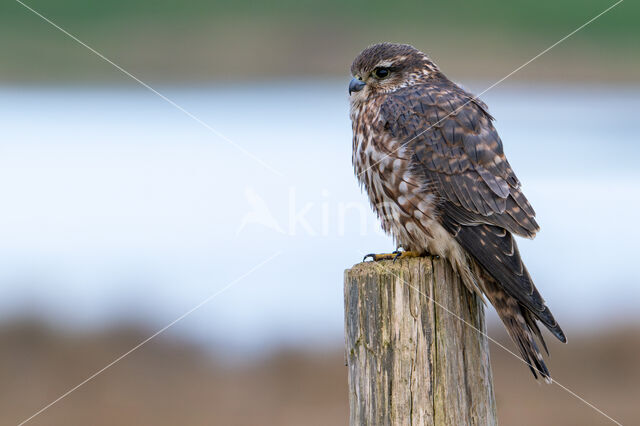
x=386, y=67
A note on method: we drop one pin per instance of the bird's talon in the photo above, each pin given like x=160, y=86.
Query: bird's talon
x=371, y=255
x=377, y=257
x=393, y=256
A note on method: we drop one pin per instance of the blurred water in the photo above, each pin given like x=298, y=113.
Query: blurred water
x=118, y=207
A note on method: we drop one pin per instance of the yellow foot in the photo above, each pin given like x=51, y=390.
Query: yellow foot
x=391, y=256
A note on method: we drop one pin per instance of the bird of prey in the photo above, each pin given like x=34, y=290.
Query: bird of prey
x=433, y=166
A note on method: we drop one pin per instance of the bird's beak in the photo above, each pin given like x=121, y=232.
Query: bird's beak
x=356, y=85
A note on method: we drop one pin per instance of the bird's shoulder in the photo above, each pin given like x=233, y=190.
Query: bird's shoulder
x=458, y=152
x=435, y=106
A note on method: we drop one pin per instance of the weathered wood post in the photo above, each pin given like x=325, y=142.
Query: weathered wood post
x=410, y=361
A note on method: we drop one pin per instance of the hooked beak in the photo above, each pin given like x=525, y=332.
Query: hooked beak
x=356, y=85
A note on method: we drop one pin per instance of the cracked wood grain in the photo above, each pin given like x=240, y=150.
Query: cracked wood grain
x=410, y=362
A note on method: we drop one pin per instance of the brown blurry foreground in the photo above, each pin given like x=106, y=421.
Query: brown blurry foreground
x=168, y=382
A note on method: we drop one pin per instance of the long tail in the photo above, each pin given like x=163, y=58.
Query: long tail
x=520, y=325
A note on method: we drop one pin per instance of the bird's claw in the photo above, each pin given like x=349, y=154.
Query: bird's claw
x=393, y=256
x=375, y=257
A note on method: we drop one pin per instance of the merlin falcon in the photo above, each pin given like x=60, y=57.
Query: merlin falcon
x=433, y=166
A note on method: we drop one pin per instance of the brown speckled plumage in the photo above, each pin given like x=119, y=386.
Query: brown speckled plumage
x=432, y=163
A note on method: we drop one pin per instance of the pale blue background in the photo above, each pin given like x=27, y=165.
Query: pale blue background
x=115, y=206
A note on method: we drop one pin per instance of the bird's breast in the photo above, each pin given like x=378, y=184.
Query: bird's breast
x=401, y=201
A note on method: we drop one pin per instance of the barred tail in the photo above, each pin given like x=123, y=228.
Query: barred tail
x=521, y=327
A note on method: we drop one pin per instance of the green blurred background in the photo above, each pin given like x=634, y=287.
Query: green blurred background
x=197, y=40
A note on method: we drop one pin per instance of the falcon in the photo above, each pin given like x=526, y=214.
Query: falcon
x=433, y=166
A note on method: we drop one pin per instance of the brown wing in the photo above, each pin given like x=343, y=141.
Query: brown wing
x=457, y=148
x=458, y=153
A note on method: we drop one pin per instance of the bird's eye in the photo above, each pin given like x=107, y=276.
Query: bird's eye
x=381, y=72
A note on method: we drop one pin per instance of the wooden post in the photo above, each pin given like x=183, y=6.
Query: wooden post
x=410, y=361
